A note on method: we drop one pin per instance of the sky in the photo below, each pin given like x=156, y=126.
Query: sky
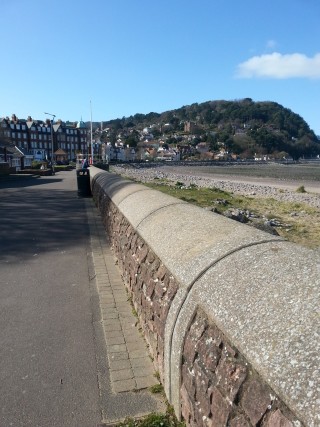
x=108, y=59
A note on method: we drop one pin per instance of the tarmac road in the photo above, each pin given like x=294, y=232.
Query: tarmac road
x=53, y=356
x=48, y=374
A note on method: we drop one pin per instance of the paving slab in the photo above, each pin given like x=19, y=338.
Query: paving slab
x=131, y=372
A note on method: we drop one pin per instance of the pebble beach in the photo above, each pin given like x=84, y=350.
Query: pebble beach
x=247, y=186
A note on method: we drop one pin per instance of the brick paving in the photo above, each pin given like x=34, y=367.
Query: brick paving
x=130, y=366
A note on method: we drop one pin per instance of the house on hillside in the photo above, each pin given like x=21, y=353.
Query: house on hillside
x=202, y=147
x=190, y=127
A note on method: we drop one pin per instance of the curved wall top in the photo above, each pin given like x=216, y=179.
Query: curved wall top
x=186, y=238
x=261, y=291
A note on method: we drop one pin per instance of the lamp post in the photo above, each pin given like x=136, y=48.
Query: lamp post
x=53, y=116
x=91, y=141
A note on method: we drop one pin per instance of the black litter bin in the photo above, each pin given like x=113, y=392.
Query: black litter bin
x=83, y=182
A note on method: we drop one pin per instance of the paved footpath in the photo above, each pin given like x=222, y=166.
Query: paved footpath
x=70, y=349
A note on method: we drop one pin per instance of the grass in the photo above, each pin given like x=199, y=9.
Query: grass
x=168, y=419
x=153, y=420
x=304, y=220
x=157, y=389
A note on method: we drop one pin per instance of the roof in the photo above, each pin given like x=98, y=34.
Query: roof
x=60, y=151
x=81, y=125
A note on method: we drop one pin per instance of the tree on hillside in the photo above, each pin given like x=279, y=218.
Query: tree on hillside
x=245, y=125
x=133, y=139
x=303, y=147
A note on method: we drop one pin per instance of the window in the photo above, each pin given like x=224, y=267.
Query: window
x=19, y=135
x=25, y=136
x=23, y=127
x=18, y=126
x=13, y=135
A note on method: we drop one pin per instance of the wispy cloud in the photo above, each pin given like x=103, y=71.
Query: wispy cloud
x=271, y=44
x=278, y=66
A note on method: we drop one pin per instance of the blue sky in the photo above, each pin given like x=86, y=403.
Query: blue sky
x=138, y=56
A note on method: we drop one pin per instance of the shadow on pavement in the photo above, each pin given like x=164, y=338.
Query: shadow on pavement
x=17, y=181
x=40, y=219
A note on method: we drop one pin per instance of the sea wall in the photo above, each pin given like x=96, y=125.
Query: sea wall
x=230, y=313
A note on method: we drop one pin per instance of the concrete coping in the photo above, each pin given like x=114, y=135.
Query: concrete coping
x=265, y=299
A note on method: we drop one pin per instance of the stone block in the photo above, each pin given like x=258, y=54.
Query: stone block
x=172, y=288
x=239, y=421
x=220, y=409
x=160, y=289
x=188, y=379
x=149, y=287
x=157, y=308
x=255, y=400
x=202, y=397
x=189, y=350
x=155, y=266
x=277, y=419
x=209, y=353
x=198, y=326
x=187, y=410
x=150, y=257
x=230, y=376
x=162, y=271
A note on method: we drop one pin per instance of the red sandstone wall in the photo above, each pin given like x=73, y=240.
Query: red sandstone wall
x=218, y=387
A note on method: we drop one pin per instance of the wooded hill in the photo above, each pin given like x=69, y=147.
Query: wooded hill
x=243, y=126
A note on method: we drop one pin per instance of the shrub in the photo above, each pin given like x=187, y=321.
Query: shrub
x=301, y=189
x=179, y=184
x=36, y=164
